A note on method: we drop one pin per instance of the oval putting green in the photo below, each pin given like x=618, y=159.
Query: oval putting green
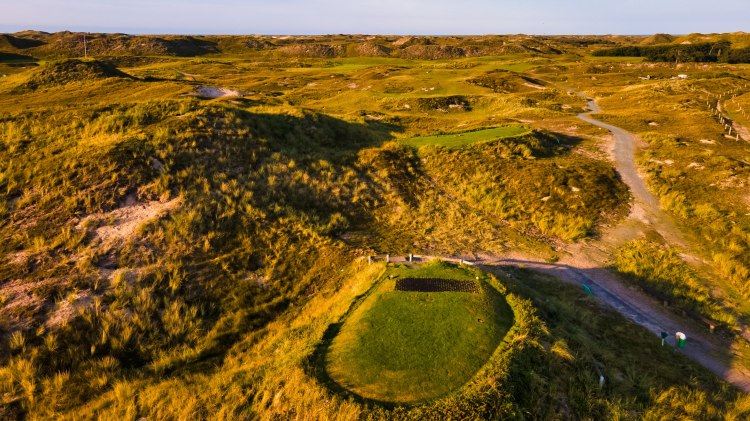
x=405, y=346
x=461, y=139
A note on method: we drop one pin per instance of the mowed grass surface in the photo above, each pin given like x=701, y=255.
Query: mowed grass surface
x=406, y=347
x=457, y=140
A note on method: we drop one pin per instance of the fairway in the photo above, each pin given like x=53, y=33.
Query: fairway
x=409, y=346
x=457, y=140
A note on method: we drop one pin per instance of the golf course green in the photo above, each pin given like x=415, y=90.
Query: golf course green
x=407, y=346
x=461, y=139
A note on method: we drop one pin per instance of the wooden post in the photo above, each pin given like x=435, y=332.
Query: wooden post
x=388, y=258
x=369, y=260
x=411, y=257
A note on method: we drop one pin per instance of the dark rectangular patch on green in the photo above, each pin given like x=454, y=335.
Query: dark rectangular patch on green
x=435, y=285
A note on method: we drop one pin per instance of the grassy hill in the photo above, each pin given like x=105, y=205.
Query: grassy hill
x=548, y=366
x=402, y=345
x=170, y=255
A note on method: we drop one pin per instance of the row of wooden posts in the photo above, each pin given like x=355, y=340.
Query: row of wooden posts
x=410, y=258
x=388, y=258
x=717, y=113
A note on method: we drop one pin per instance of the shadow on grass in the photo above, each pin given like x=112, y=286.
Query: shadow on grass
x=315, y=364
x=13, y=58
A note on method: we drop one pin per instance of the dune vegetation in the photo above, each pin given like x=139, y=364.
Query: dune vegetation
x=183, y=219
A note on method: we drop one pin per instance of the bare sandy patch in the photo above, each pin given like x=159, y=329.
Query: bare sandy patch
x=742, y=130
x=122, y=223
x=18, y=298
x=533, y=85
x=216, y=92
x=401, y=41
x=68, y=307
x=19, y=258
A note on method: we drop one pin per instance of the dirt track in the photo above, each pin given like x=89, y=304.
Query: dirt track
x=586, y=264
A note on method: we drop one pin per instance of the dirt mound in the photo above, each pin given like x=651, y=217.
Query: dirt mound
x=8, y=41
x=73, y=70
x=432, y=52
x=187, y=46
x=401, y=41
x=259, y=44
x=408, y=41
x=313, y=50
x=505, y=82
x=442, y=104
x=658, y=39
x=539, y=46
x=371, y=50
x=71, y=44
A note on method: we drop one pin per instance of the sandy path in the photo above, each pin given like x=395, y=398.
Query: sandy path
x=646, y=208
x=711, y=351
x=586, y=263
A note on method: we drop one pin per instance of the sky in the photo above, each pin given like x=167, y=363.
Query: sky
x=416, y=17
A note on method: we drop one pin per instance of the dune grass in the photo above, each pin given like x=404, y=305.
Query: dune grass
x=405, y=346
x=286, y=184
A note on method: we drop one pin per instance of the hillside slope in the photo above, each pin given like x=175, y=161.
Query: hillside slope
x=170, y=254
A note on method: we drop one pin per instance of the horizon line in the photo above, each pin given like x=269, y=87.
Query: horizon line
x=370, y=34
